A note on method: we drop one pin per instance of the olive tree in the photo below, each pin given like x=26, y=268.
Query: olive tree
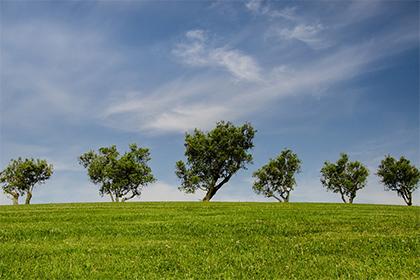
x=122, y=177
x=399, y=176
x=214, y=156
x=344, y=177
x=21, y=176
x=277, y=178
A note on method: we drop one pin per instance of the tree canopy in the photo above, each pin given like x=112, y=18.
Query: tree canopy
x=344, y=177
x=214, y=156
x=21, y=176
x=399, y=176
x=277, y=178
x=122, y=177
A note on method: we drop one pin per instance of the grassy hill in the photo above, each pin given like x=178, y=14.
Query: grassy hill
x=186, y=240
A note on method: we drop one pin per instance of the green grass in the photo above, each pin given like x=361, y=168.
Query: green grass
x=209, y=241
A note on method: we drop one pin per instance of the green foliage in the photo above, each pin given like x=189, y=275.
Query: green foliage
x=213, y=157
x=344, y=177
x=121, y=177
x=277, y=178
x=186, y=240
x=21, y=176
x=399, y=176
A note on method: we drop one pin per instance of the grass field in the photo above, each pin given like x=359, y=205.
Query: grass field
x=188, y=240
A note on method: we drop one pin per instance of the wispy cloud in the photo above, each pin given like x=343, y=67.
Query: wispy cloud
x=200, y=101
x=196, y=52
x=305, y=33
x=259, y=7
x=56, y=78
x=285, y=24
x=256, y=6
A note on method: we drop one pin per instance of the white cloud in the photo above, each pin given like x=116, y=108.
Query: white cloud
x=188, y=117
x=306, y=33
x=179, y=105
x=255, y=6
x=241, y=66
x=196, y=34
x=201, y=100
x=51, y=73
x=260, y=8
x=295, y=27
x=195, y=52
x=288, y=13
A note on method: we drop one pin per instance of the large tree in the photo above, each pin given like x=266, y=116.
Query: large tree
x=400, y=176
x=122, y=177
x=21, y=176
x=277, y=178
x=214, y=156
x=344, y=177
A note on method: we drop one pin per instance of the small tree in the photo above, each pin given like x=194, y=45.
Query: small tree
x=213, y=157
x=399, y=176
x=344, y=177
x=277, y=178
x=121, y=177
x=21, y=176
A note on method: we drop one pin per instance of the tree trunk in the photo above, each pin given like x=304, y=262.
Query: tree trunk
x=210, y=193
x=278, y=199
x=112, y=198
x=28, y=197
x=116, y=199
x=342, y=196
x=406, y=197
x=286, y=198
x=409, y=197
x=15, y=198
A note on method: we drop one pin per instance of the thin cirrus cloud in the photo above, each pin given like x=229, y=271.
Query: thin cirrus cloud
x=203, y=98
x=195, y=52
x=258, y=7
x=293, y=28
x=311, y=35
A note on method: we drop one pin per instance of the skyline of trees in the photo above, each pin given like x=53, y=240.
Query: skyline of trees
x=212, y=158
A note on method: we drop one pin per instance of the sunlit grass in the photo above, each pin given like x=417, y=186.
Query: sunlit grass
x=209, y=240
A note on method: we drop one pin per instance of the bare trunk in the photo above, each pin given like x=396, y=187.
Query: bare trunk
x=112, y=198
x=278, y=199
x=343, y=196
x=407, y=198
x=15, y=198
x=117, y=199
x=210, y=193
x=286, y=198
x=215, y=187
x=28, y=197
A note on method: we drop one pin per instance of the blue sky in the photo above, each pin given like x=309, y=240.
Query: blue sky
x=319, y=77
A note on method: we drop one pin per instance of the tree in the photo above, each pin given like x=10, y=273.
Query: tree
x=344, y=177
x=213, y=157
x=277, y=178
x=122, y=177
x=21, y=176
x=399, y=176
